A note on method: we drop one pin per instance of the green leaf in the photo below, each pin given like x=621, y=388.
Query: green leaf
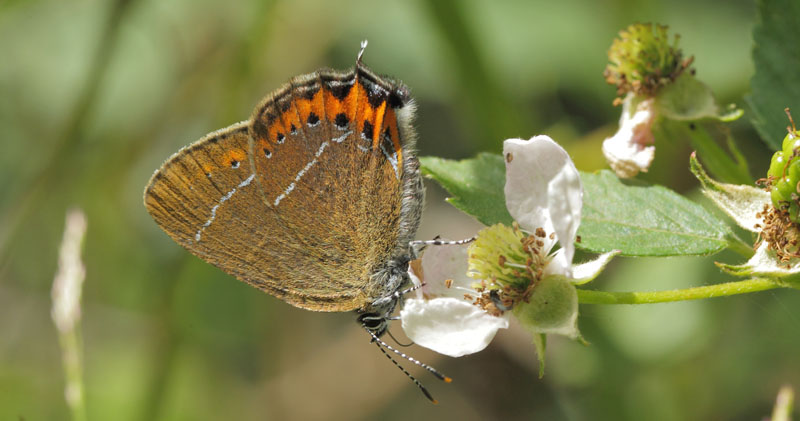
x=776, y=55
x=688, y=99
x=476, y=185
x=638, y=220
x=644, y=220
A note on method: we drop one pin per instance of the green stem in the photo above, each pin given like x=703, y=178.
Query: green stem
x=586, y=296
x=739, y=246
x=718, y=162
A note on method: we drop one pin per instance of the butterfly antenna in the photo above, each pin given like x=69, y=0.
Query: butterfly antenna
x=413, y=379
x=361, y=52
x=430, y=369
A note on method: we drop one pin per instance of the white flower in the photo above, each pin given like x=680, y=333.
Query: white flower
x=632, y=149
x=544, y=195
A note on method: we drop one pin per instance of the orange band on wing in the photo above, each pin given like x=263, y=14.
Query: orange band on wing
x=380, y=114
x=391, y=123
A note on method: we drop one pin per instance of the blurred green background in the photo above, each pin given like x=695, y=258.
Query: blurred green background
x=95, y=94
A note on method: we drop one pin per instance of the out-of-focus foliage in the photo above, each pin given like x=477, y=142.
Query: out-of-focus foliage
x=773, y=88
x=97, y=93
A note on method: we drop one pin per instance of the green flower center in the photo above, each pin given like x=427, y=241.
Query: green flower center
x=508, y=263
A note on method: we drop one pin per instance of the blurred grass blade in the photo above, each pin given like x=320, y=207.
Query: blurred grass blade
x=66, y=311
x=784, y=404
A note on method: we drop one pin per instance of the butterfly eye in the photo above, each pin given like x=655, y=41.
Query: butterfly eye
x=372, y=321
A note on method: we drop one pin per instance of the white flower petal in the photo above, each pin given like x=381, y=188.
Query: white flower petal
x=449, y=326
x=558, y=265
x=631, y=149
x=440, y=263
x=565, y=200
x=543, y=189
x=587, y=271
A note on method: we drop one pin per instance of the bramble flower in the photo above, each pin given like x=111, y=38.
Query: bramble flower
x=652, y=85
x=469, y=293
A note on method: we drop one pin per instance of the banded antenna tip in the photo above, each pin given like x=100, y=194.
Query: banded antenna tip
x=361, y=51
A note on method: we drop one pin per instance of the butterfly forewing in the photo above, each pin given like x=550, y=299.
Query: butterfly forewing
x=205, y=198
x=324, y=193
x=304, y=200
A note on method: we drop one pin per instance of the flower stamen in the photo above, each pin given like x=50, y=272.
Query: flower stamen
x=780, y=233
x=509, y=263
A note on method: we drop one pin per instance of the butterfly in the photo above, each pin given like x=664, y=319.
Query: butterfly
x=315, y=199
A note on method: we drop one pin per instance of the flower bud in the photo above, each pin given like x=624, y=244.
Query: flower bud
x=642, y=60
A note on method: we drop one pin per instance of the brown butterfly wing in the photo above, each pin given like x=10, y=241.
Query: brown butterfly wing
x=205, y=198
x=293, y=203
x=336, y=190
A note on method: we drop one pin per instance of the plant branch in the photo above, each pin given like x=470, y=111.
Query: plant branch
x=586, y=296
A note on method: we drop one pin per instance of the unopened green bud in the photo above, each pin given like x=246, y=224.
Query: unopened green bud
x=642, y=60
